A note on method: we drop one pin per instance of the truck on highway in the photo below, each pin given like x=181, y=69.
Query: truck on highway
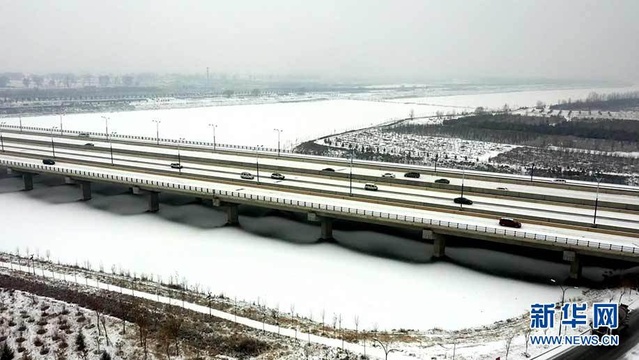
x=624, y=314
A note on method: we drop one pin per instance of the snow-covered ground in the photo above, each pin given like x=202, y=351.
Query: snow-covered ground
x=514, y=100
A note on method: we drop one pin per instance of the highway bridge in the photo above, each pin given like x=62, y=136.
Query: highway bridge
x=555, y=216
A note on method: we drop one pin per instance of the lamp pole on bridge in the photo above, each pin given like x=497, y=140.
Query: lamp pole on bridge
x=52, y=145
x=461, y=202
x=257, y=161
x=213, y=126
x=20, y=119
x=1, y=139
x=111, y=145
x=106, y=125
x=157, y=130
x=350, y=176
x=179, y=159
x=594, y=219
x=532, y=170
x=279, y=132
x=61, y=113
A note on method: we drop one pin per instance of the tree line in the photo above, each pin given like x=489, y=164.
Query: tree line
x=597, y=134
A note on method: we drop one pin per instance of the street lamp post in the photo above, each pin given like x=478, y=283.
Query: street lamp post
x=106, y=125
x=436, y=158
x=179, y=159
x=257, y=161
x=1, y=139
x=52, y=145
x=213, y=126
x=20, y=119
x=157, y=130
x=111, y=145
x=594, y=219
x=461, y=202
x=350, y=177
x=532, y=170
x=563, y=296
x=61, y=133
x=279, y=132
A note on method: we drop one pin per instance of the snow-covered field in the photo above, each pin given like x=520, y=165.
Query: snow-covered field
x=514, y=99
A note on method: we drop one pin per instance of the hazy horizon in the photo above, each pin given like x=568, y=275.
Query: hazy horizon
x=400, y=40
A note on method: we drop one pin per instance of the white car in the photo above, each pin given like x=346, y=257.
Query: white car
x=371, y=187
x=388, y=175
x=247, y=175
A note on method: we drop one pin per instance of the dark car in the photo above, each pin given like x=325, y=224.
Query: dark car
x=277, y=176
x=89, y=144
x=463, y=200
x=509, y=222
x=176, y=166
x=48, y=162
x=442, y=181
x=329, y=169
x=412, y=174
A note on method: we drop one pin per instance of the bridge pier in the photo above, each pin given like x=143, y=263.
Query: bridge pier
x=575, y=267
x=326, y=229
x=232, y=216
x=439, y=243
x=28, y=181
x=68, y=180
x=154, y=201
x=85, y=187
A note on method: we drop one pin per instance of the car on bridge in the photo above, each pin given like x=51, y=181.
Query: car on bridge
x=328, y=169
x=463, y=200
x=277, y=176
x=502, y=188
x=89, y=144
x=247, y=175
x=412, y=174
x=176, y=166
x=442, y=181
x=48, y=162
x=560, y=181
x=83, y=134
x=371, y=187
x=388, y=175
x=509, y=222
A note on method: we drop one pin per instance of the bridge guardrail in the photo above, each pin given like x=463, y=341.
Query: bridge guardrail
x=590, y=244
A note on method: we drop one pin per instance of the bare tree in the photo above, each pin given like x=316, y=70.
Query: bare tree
x=527, y=337
x=386, y=347
x=509, y=340
x=323, y=315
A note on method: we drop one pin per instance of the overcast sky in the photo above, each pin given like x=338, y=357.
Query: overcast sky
x=363, y=38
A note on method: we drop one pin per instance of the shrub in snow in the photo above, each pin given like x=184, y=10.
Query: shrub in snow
x=6, y=353
x=105, y=356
